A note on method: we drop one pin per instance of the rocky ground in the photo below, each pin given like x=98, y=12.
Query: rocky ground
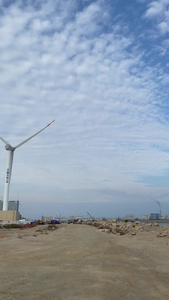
x=129, y=227
x=104, y=261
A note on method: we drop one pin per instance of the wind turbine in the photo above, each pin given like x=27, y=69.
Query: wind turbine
x=10, y=155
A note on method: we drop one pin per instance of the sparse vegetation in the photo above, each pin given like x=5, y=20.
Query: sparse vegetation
x=11, y=226
x=52, y=227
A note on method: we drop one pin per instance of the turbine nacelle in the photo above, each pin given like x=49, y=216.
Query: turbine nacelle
x=9, y=147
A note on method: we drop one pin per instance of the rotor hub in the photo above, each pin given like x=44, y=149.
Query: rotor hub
x=9, y=147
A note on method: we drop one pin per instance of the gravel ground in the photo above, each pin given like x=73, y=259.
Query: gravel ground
x=77, y=262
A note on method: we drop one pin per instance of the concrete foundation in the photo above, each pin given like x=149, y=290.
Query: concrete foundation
x=9, y=216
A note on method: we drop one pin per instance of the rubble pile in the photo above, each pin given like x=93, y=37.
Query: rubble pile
x=164, y=232
x=127, y=227
x=38, y=230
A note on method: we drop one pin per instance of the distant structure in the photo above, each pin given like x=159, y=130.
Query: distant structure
x=93, y=218
x=155, y=216
x=146, y=217
x=12, y=205
x=130, y=217
x=159, y=204
x=11, y=215
x=46, y=219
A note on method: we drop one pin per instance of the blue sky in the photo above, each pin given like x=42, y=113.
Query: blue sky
x=101, y=70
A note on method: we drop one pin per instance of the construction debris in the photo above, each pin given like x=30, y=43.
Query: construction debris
x=129, y=227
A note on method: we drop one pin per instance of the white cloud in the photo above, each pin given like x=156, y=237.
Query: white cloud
x=163, y=27
x=59, y=62
x=155, y=8
x=158, y=10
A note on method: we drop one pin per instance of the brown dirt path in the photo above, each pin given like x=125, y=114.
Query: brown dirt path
x=77, y=262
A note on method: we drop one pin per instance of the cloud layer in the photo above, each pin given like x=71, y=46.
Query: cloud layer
x=106, y=86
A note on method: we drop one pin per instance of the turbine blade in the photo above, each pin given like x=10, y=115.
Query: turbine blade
x=4, y=141
x=17, y=146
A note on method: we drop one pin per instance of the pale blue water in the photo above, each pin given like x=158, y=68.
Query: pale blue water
x=163, y=224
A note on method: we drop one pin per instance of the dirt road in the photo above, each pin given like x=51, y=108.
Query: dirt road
x=77, y=262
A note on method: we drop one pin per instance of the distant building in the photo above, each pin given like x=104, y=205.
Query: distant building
x=46, y=219
x=130, y=217
x=154, y=216
x=12, y=205
x=9, y=216
x=146, y=217
x=75, y=218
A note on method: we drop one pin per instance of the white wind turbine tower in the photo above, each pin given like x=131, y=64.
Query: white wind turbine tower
x=10, y=155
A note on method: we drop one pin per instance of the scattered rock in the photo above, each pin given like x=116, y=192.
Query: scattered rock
x=163, y=234
x=104, y=230
x=123, y=228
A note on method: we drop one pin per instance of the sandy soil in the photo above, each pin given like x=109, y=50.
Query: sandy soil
x=78, y=262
